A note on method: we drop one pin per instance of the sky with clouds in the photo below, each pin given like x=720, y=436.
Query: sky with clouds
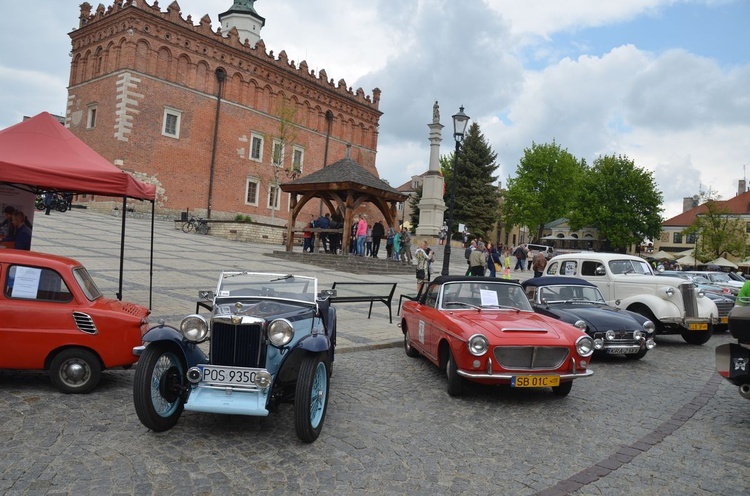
x=665, y=82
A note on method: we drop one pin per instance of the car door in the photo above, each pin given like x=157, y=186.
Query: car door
x=36, y=316
x=421, y=329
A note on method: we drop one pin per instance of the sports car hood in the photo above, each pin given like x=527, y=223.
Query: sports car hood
x=512, y=325
x=598, y=317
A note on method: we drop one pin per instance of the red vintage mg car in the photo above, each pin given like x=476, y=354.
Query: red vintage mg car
x=484, y=330
x=53, y=317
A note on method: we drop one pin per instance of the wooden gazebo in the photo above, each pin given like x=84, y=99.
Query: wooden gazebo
x=342, y=186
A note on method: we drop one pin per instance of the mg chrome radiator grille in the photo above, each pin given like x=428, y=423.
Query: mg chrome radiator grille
x=530, y=357
x=237, y=345
x=689, y=300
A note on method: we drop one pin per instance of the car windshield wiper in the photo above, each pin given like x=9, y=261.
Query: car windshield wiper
x=461, y=303
x=282, y=278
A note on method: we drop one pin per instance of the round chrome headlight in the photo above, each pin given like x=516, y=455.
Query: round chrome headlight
x=598, y=344
x=649, y=327
x=610, y=335
x=194, y=328
x=637, y=334
x=280, y=332
x=585, y=346
x=670, y=291
x=581, y=325
x=478, y=345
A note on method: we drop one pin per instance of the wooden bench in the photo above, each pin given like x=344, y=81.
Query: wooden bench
x=363, y=292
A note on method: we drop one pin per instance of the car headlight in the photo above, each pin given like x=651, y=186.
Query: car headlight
x=194, y=328
x=637, y=334
x=478, y=345
x=649, y=327
x=585, y=346
x=581, y=325
x=280, y=332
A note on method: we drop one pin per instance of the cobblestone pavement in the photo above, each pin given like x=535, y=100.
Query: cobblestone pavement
x=664, y=425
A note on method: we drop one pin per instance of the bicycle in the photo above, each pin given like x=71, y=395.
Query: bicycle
x=200, y=226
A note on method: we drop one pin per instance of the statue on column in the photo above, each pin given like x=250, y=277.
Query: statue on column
x=436, y=113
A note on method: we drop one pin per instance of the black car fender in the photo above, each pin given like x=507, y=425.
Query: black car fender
x=190, y=351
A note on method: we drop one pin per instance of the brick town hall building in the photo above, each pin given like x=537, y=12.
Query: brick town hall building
x=210, y=117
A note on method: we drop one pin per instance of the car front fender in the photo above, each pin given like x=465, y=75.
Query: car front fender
x=314, y=344
x=163, y=333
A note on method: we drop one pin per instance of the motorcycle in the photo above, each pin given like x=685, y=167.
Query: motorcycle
x=57, y=203
x=733, y=359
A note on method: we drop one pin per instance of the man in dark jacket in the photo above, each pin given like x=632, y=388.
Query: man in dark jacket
x=324, y=222
x=378, y=231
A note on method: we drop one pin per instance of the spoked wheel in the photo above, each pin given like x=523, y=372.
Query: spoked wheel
x=455, y=381
x=563, y=389
x=61, y=206
x=157, y=387
x=202, y=229
x=75, y=371
x=311, y=398
x=187, y=227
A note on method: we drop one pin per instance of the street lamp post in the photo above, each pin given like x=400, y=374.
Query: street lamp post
x=460, y=120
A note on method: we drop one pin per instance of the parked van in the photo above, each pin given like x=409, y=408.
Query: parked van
x=548, y=251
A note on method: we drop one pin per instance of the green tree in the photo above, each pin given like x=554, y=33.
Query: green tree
x=414, y=204
x=621, y=200
x=718, y=231
x=477, y=196
x=542, y=190
x=286, y=113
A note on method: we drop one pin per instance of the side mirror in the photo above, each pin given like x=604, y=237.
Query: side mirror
x=206, y=295
x=326, y=293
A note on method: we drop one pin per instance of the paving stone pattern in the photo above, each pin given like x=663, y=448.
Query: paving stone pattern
x=664, y=425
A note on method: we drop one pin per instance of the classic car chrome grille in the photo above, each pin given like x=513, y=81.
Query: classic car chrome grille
x=530, y=357
x=237, y=345
x=724, y=307
x=85, y=323
x=689, y=300
x=619, y=334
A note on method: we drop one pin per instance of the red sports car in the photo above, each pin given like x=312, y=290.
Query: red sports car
x=484, y=330
x=53, y=317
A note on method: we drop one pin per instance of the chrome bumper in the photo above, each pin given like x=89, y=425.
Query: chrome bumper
x=507, y=377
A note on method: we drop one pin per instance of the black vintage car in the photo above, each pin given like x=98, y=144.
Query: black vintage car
x=579, y=302
x=271, y=339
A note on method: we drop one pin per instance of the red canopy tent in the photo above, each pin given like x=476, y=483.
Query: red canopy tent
x=41, y=154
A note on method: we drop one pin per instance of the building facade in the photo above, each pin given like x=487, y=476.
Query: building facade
x=210, y=117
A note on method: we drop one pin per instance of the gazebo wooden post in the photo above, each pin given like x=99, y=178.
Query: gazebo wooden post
x=290, y=223
x=348, y=221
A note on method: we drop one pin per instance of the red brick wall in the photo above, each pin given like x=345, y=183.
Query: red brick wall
x=169, y=62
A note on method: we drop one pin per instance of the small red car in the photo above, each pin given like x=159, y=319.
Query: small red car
x=484, y=330
x=53, y=317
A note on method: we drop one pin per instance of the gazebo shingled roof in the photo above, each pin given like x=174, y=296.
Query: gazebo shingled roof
x=343, y=185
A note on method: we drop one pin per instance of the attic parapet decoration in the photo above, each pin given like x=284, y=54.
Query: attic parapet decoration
x=204, y=28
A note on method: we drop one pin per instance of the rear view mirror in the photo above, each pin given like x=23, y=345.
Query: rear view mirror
x=206, y=295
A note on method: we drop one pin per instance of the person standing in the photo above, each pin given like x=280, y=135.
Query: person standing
x=506, y=264
x=308, y=236
x=397, y=246
x=368, y=242
x=405, y=246
x=478, y=260
x=422, y=259
x=519, y=254
x=324, y=222
x=361, y=235
x=443, y=234
x=492, y=259
x=389, y=243
x=540, y=262
x=377, y=234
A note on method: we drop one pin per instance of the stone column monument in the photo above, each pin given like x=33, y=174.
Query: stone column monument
x=431, y=206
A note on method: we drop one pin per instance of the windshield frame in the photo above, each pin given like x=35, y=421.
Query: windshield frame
x=244, y=285
x=470, y=293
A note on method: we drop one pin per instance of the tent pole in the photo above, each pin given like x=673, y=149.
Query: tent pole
x=122, y=244
x=151, y=263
